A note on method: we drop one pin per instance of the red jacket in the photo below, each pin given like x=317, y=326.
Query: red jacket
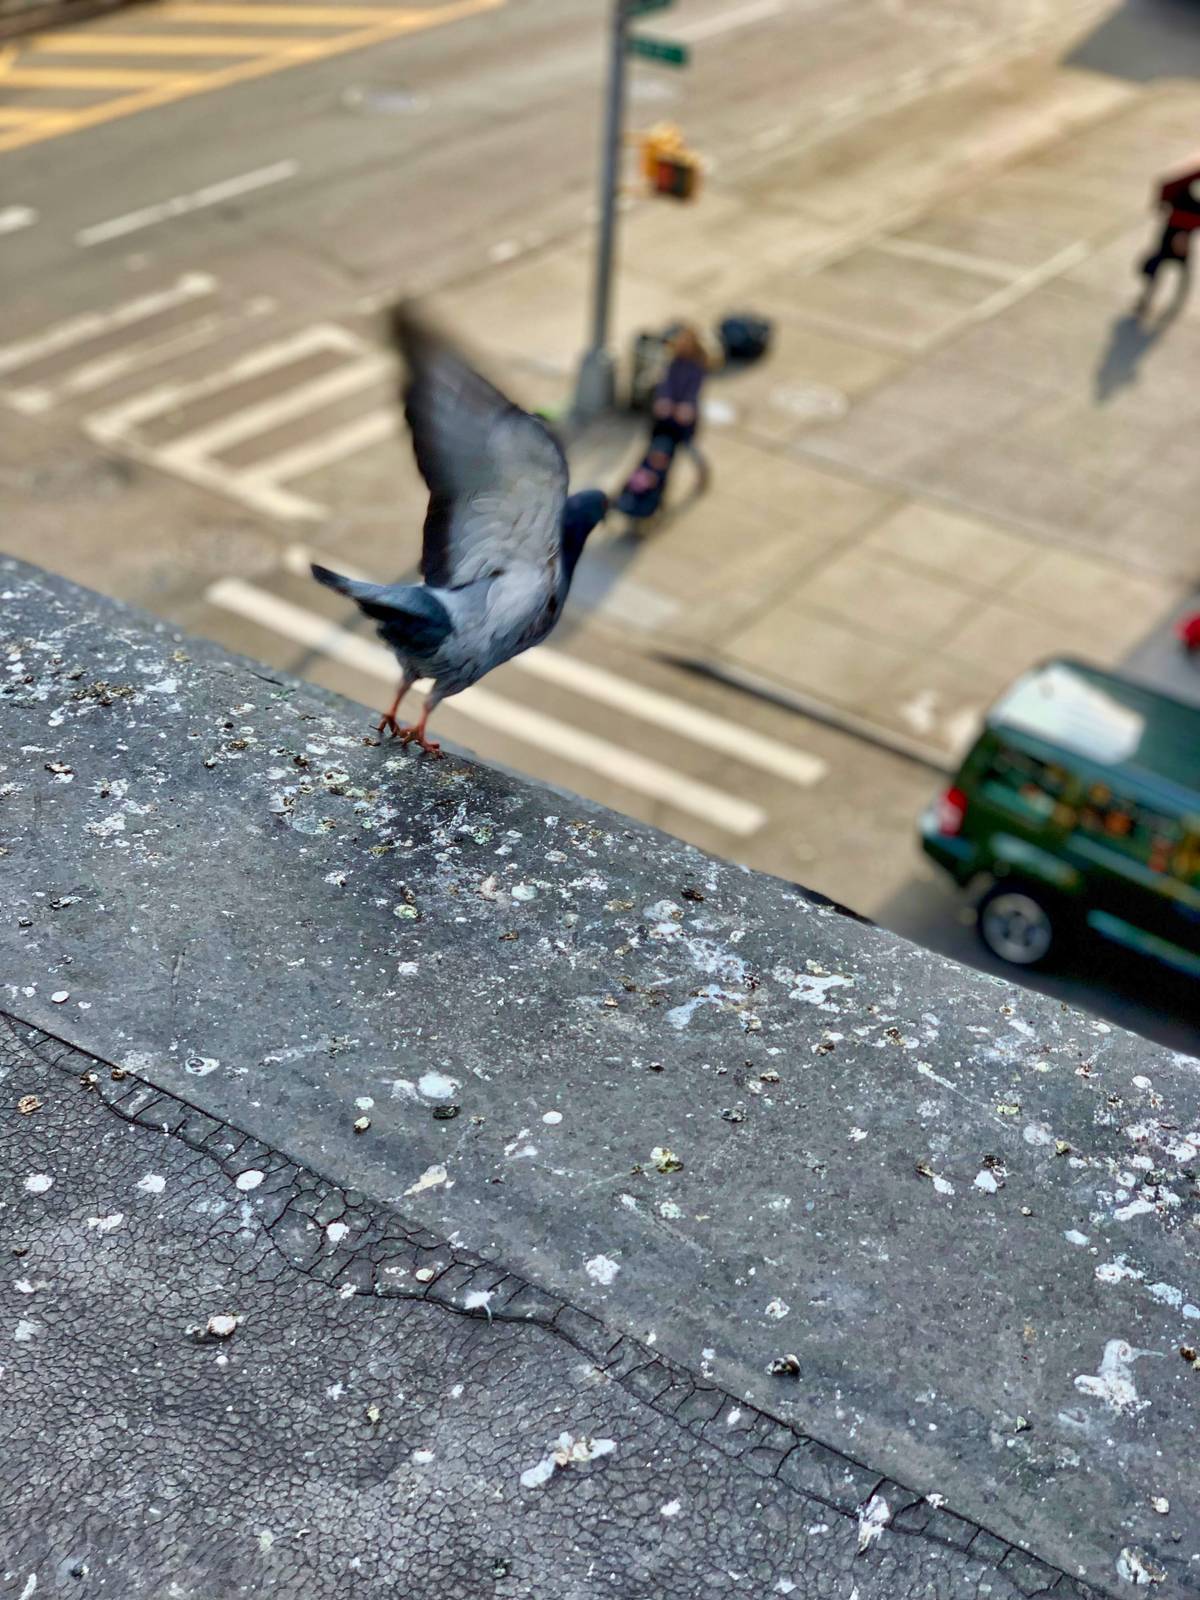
x=1185, y=207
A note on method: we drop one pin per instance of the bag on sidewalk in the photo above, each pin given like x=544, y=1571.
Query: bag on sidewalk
x=744, y=337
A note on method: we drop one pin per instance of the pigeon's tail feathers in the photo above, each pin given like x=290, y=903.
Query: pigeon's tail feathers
x=332, y=580
x=410, y=618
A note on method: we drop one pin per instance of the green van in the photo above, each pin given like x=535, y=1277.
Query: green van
x=1078, y=808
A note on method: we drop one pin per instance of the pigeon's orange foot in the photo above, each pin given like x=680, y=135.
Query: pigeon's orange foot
x=416, y=735
x=388, y=724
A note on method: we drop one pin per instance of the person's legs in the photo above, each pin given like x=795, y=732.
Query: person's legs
x=703, y=470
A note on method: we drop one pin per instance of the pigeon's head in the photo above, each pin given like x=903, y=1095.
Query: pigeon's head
x=580, y=515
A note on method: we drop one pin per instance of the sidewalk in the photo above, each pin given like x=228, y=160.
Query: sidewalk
x=962, y=455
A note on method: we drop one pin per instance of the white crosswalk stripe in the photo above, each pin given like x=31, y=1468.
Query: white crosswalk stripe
x=196, y=453
x=304, y=420
x=81, y=331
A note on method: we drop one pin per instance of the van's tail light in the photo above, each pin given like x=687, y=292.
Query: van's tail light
x=951, y=811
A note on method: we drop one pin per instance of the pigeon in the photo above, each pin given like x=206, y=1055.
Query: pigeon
x=501, y=537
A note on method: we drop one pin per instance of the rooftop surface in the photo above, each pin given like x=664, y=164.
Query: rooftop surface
x=598, y=1218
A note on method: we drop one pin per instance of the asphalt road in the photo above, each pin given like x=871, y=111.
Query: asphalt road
x=203, y=207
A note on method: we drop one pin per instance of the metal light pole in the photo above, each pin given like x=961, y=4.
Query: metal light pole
x=595, y=388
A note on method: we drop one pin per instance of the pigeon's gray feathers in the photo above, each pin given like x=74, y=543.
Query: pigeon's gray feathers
x=497, y=477
x=410, y=618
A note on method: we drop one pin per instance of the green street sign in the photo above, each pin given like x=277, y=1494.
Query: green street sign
x=639, y=8
x=664, y=51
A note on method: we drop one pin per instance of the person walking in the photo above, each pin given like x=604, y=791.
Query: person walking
x=675, y=409
x=1179, y=199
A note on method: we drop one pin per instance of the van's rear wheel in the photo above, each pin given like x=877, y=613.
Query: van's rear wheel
x=1016, y=924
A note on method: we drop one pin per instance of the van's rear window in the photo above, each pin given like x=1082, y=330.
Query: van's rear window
x=1060, y=706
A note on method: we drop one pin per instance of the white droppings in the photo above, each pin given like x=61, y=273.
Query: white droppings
x=1137, y=1568
x=942, y=1185
x=925, y=1068
x=524, y=891
x=201, y=1066
x=1037, y=1133
x=734, y=1417
x=152, y=1183
x=873, y=1518
x=431, y=1178
x=61, y=996
x=1113, y=1383
x=479, y=1300
x=364, y=1102
x=249, y=1179
x=422, y=1458
x=601, y=1269
x=1115, y=1271
x=663, y=911
x=113, y=824
x=534, y=1477
x=30, y=1587
x=778, y=1309
x=671, y=1210
x=814, y=991
x=106, y=1224
x=858, y=1135
x=436, y=1086
x=569, y=1451
x=986, y=1181
x=335, y=1391
x=38, y=1182
x=552, y=1118
x=1139, y=1207
x=1161, y=1504
x=1141, y=1082
x=335, y=1232
x=1073, y=1236
x=24, y=1332
x=407, y=969
x=671, y=1509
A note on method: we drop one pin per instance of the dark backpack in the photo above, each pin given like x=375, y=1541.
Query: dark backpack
x=744, y=337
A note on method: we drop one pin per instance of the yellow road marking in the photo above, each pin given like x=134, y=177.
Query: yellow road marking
x=81, y=77
x=23, y=114
x=153, y=44
x=286, y=16
x=167, y=88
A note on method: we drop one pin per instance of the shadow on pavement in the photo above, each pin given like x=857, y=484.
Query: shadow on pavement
x=1143, y=40
x=1130, y=340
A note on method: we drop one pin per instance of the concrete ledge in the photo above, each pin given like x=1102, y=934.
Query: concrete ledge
x=703, y=1123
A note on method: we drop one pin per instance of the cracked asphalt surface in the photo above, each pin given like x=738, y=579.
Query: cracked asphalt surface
x=351, y=1437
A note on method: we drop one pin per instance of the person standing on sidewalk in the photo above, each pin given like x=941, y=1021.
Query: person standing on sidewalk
x=1179, y=197
x=675, y=411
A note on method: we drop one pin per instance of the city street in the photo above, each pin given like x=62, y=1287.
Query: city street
x=960, y=455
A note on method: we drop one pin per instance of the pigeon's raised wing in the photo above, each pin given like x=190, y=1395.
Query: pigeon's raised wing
x=497, y=477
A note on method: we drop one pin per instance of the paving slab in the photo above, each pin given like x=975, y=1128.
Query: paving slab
x=705, y=1123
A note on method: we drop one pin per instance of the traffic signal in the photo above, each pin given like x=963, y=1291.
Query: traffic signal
x=668, y=165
